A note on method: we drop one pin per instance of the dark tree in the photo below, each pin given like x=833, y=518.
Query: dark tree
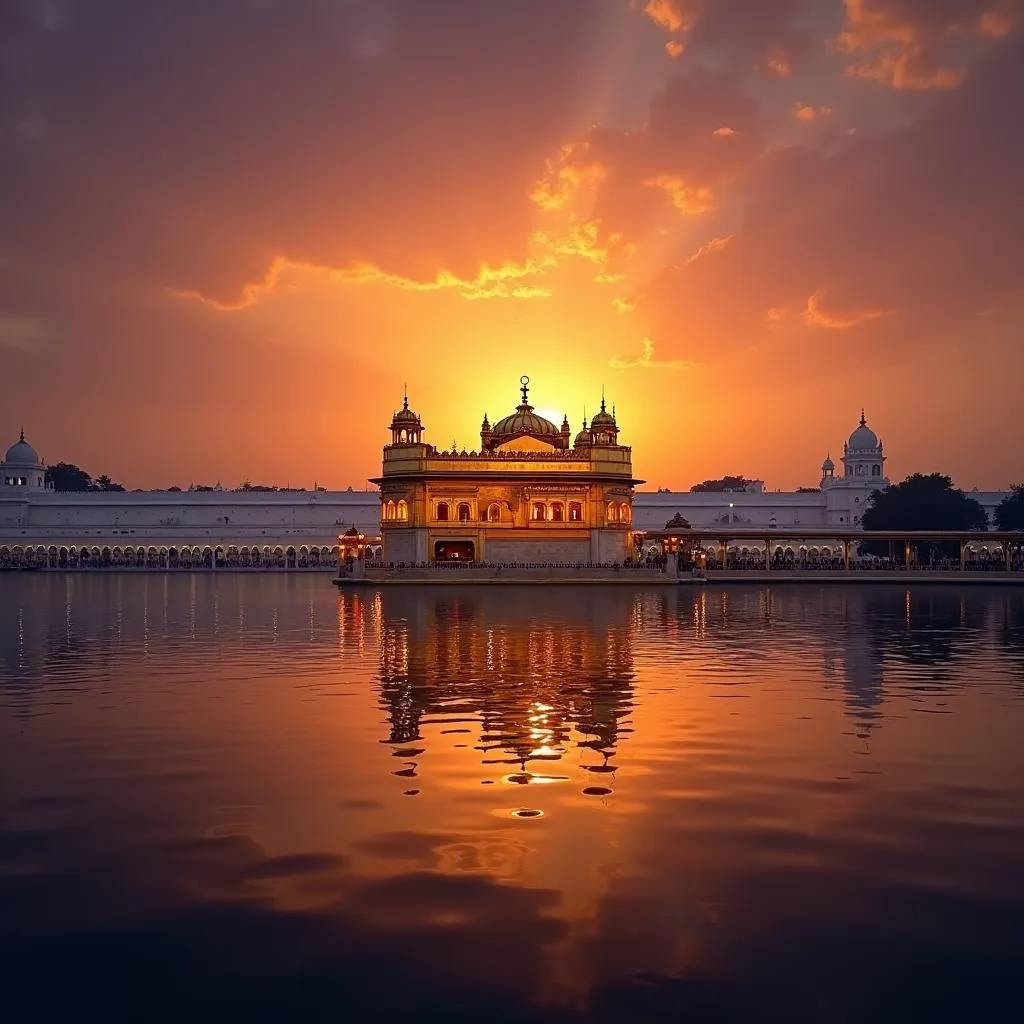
x=104, y=483
x=923, y=503
x=66, y=477
x=808, y=490
x=1009, y=514
x=678, y=522
x=175, y=488
x=726, y=483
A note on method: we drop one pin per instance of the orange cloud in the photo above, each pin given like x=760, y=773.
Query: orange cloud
x=725, y=132
x=674, y=48
x=623, y=305
x=505, y=282
x=646, y=361
x=815, y=315
x=580, y=240
x=689, y=200
x=905, y=47
x=573, y=171
x=547, y=249
x=667, y=14
x=805, y=112
x=715, y=245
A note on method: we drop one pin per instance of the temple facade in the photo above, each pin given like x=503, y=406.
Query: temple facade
x=531, y=494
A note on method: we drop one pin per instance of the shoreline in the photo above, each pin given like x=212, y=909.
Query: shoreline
x=538, y=577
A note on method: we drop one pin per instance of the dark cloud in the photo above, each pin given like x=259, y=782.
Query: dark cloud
x=922, y=223
x=918, y=44
x=772, y=35
x=184, y=144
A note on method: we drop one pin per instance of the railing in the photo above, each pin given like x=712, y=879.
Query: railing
x=448, y=566
x=556, y=454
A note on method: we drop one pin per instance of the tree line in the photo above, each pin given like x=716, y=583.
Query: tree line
x=66, y=476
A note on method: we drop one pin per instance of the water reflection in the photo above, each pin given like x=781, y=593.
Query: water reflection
x=253, y=797
x=552, y=672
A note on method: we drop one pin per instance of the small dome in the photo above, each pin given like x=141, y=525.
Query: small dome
x=583, y=438
x=863, y=438
x=21, y=453
x=405, y=416
x=828, y=464
x=603, y=418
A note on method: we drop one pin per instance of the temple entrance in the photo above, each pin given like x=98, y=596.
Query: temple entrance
x=454, y=551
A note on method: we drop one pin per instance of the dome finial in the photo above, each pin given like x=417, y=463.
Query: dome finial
x=524, y=381
x=602, y=398
x=405, y=396
x=22, y=436
x=863, y=422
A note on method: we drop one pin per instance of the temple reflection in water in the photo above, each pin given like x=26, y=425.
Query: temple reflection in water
x=529, y=687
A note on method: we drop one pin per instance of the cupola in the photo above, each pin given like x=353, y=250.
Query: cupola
x=406, y=427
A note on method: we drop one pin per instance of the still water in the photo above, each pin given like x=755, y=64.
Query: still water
x=254, y=798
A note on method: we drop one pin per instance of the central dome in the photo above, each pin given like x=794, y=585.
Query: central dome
x=524, y=421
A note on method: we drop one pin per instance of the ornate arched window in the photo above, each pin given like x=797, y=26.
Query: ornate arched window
x=557, y=512
x=493, y=512
x=876, y=470
x=442, y=511
x=389, y=510
x=538, y=510
x=465, y=513
x=575, y=512
x=402, y=512
x=613, y=512
x=624, y=512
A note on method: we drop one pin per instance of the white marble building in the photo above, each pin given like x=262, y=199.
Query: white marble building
x=300, y=529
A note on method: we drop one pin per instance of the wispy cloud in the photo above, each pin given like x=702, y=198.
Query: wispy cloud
x=815, y=315
x=715, y=245
x=508, y=281
x=646, y=361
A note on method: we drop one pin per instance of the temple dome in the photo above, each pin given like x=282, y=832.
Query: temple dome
x=863, y=438
x=525, y=421
x=828, y=465
x=21, y=453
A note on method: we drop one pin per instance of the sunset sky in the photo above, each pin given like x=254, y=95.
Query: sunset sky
x=231, y=231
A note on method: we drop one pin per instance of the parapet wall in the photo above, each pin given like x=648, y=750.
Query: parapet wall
x=495, y=574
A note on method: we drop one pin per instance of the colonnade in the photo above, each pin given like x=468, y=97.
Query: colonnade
x=168, y=556
x=783, y=549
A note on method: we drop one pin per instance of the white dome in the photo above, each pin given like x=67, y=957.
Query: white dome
x=21, y=453
x=863, y=438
